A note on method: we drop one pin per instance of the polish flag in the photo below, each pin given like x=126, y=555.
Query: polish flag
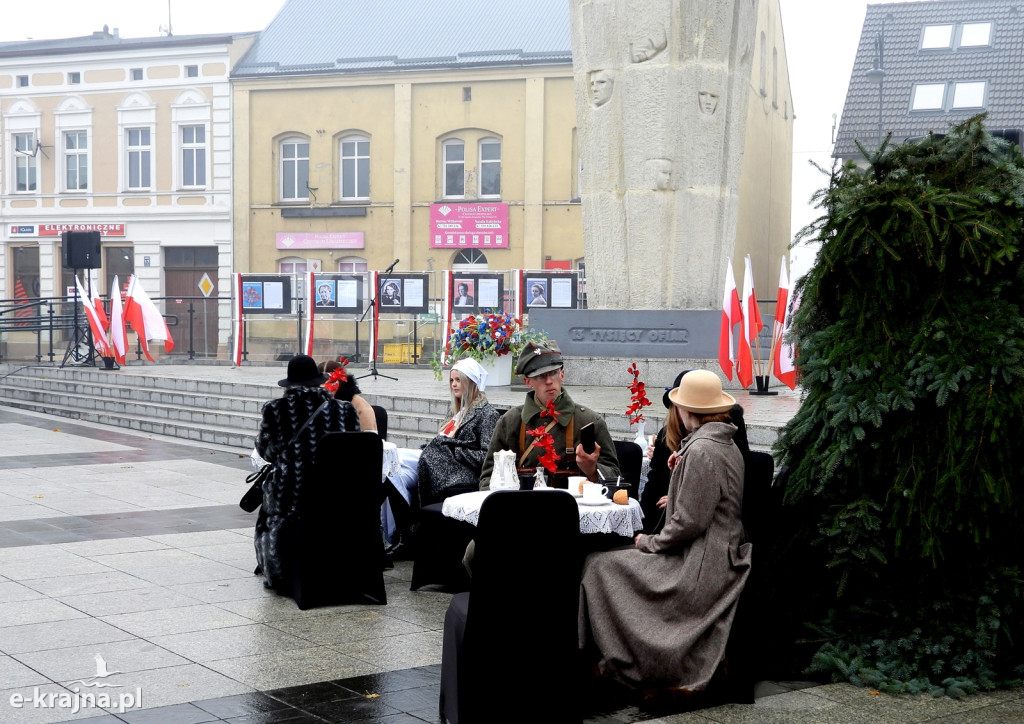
x=752, y=325
x=118, y=333
x=732, y=315
x=99, y=335
x=145, y=318
x=311, y=306
x=784, y=367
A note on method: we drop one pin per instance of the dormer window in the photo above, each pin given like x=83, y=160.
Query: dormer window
x=937, y=36
x=974, y=35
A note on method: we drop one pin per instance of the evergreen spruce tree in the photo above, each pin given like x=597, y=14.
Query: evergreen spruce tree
x=906, y=456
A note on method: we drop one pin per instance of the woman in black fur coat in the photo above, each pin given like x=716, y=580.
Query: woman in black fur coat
x=293, y=463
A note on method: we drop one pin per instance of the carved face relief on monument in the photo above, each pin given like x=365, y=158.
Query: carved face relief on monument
x=647, y=48
x=601, y=84
x=707, y=101
x=658, y=174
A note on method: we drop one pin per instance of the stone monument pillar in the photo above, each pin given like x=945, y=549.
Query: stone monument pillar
x=661, y=106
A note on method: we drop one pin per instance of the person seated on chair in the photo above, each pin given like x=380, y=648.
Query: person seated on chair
x=659, y=613
x=540, y=364
x=289, y=431
x=450, y=463
x=654, y=496
x=348, y=390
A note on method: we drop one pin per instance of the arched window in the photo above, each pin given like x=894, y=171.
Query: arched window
x=469, y=260
x=352, y=265
x=490, y=167
x=454, y=172
x=355, y=168
x=294, y=171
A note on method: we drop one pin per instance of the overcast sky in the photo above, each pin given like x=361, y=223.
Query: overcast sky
x=821, y=40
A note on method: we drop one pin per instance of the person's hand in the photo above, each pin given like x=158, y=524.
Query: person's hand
x=673, y=459
x=636, y=541
x=650, y=450
x=662, y=501
x=588, y=462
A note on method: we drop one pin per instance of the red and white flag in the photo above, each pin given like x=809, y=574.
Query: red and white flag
x=145, y=318
x=238, y=324
x=752, y=325
x=784, y=367
x=732, y=315
x=118, y=333
x=99, y=332
x=311, y=306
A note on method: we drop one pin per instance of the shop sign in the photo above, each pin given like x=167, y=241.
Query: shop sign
x=58, y=229
x=467, y=226
x=321, y=240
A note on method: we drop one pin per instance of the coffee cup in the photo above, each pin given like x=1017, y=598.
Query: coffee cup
x=594, y=492
x=616, y=487
x=575, y=481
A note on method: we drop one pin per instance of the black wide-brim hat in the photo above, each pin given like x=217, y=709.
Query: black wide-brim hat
x=303, y=372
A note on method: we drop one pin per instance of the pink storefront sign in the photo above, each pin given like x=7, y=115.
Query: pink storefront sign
x=321, y=240
x=458, y=226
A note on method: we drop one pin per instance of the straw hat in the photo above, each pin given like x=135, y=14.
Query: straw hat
x=700, y=391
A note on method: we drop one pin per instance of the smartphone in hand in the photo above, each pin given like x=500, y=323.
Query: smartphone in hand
x=587, y=439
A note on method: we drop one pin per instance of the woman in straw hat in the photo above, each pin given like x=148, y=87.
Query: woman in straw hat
x=659, y=613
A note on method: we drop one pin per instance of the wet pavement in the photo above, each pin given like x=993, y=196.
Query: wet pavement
x=126, y=571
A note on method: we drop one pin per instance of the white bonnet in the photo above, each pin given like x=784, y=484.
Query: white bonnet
x=473, y=370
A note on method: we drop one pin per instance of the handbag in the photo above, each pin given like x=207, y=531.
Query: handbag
x=253, y=497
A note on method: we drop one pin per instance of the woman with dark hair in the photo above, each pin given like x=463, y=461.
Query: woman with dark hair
x=654, y=496
x=659, y=613
x=348, y=390
x=292, y=426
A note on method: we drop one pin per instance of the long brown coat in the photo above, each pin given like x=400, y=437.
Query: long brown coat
x=660, y=613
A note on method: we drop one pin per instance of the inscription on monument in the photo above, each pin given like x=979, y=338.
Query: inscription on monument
x=652, y=334
x=632, y=335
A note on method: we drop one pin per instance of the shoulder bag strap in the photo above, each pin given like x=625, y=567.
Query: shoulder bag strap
x=306, y=423
x=522, y=439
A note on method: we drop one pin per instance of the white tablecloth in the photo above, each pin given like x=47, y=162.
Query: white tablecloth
x=391, y=461
x=607, y=518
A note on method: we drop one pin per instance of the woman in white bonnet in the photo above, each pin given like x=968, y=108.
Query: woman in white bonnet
x=450, y=463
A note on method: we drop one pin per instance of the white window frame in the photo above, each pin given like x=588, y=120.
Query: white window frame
x=964, y=91
x=191, y=71
x=26, y=160
x=358, y=162
x=135, y=112
x=933, y=35
x=972, y=28
x=489, y=141
x=73, y=158
x=927, y=88
x=355, y=262
x=138, y=154
x=199, y=153
x=300, y=191
x=72, y=116
x=452, y=143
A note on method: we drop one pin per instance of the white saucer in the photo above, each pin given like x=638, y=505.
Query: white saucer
x=602, y=501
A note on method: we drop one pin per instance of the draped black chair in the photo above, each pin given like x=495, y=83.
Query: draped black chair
x=440, y=544
x=631, y=458
x=519, y=617
x=381, y=415
x=762, y=501
x=335, y=554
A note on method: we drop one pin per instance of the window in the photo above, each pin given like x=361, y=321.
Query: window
x=136, y=73
x=118, y=261
x=25, y=167
x=191, y=71
x=23, y=81
x=294, y=169
x=193, y=156
x=490, y=167
x=969, y=95
x=467, y=93
x=973, y=35
x=25, y=266
x=352, y=265
x=76, y=160
x=74, y=78
x=928, y=96
x=355, y=168
x=937, y=36
x=139, y=158
x=454, y=180
x=469, y=259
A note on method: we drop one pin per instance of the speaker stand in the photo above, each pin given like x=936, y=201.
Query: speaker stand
x=80, y=351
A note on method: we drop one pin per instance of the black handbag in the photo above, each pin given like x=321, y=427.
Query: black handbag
x=253, y=497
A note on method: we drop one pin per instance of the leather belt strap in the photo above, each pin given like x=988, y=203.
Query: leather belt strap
x=569, y=447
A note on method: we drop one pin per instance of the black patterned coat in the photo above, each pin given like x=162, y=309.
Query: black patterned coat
x=451, y=465
x=293, y=464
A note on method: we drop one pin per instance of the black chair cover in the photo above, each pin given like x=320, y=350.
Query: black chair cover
x=514, y=635
x=335, y=552
x=631, y=458
x=381, y=416
x=440, y=544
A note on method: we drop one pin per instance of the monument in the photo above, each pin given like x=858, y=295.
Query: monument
x=661, y=101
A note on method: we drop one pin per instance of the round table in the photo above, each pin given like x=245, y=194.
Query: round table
x=609, y=517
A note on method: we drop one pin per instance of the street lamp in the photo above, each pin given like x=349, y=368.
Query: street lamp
x=877, y=75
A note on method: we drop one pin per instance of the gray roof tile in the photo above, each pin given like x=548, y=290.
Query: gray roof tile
x=1001, y=65
x=315, y=36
